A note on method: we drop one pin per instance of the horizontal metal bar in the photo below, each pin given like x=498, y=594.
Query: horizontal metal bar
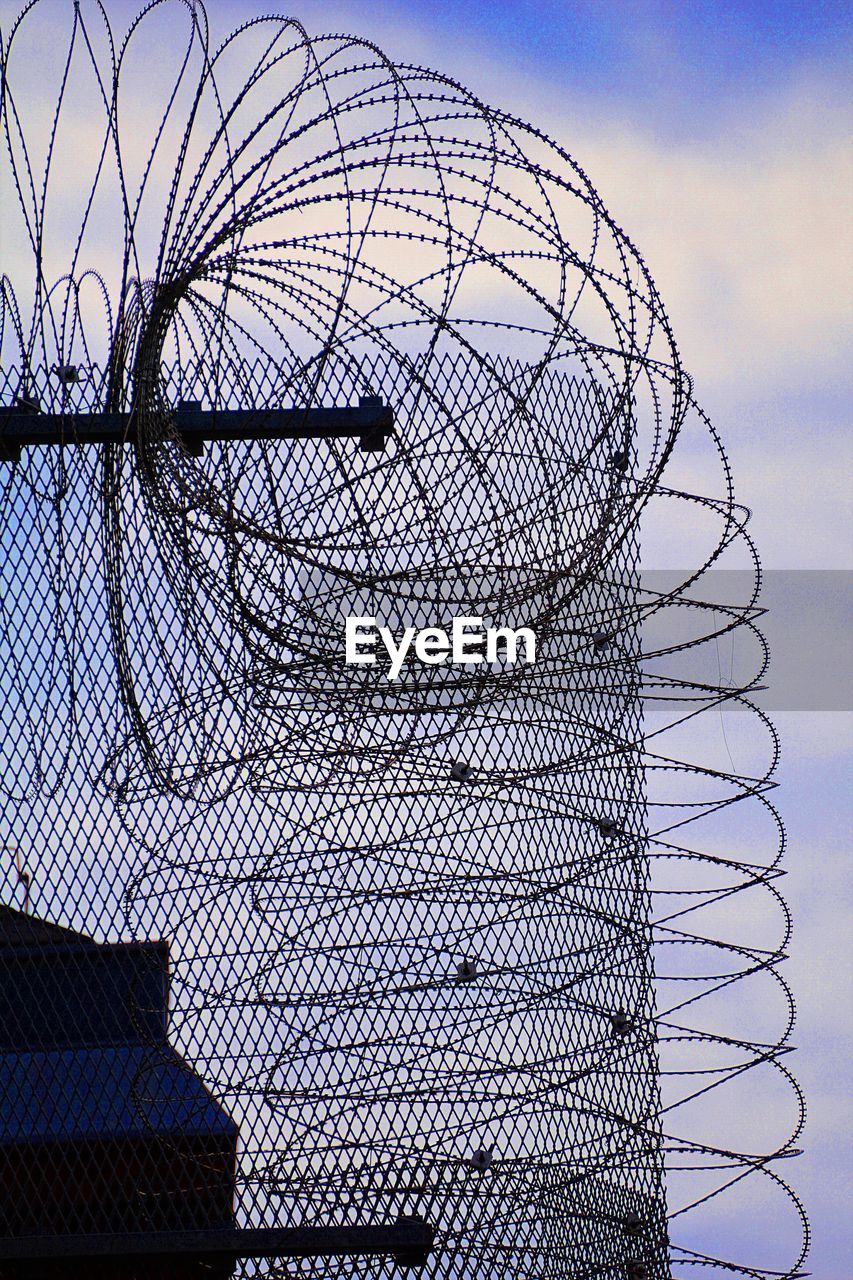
x=409, y=1241
x=23, y=426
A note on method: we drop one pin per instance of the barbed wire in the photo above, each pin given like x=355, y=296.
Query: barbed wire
x=455, y=943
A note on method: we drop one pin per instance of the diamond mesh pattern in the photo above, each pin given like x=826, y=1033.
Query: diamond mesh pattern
x=290, y=824
x=455, y=944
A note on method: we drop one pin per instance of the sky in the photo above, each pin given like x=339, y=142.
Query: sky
x=719, y=135
x=720, y=138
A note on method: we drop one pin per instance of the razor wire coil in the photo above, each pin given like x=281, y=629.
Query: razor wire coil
x=422, y=928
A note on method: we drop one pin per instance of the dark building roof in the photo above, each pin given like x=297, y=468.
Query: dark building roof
x=117, y=1092
x=104, y=1128
x=20, y=930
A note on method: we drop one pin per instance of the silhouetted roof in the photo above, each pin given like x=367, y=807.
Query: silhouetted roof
x=20, y=930
x=70, y=1095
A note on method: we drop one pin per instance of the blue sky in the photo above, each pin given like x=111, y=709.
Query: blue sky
x=704, y=50
x=677, y=64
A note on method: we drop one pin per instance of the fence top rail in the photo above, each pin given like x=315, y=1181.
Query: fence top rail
x=408, y=1240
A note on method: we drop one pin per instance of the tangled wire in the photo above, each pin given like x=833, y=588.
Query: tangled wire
x=462, y=943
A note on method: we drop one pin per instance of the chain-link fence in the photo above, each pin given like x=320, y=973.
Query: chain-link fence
x=398, y=986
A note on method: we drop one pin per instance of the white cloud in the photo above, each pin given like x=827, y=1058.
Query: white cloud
x=746, y=229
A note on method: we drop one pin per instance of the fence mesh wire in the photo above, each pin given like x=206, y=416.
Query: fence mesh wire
x=379, y=971
x=454, y=943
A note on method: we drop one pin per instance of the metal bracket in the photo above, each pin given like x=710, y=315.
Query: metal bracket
x=409, y=1242
x=24, y=426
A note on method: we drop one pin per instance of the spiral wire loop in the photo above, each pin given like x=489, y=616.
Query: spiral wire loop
x=496, y=943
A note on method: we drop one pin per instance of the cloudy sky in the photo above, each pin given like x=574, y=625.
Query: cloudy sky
x=719, y=136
